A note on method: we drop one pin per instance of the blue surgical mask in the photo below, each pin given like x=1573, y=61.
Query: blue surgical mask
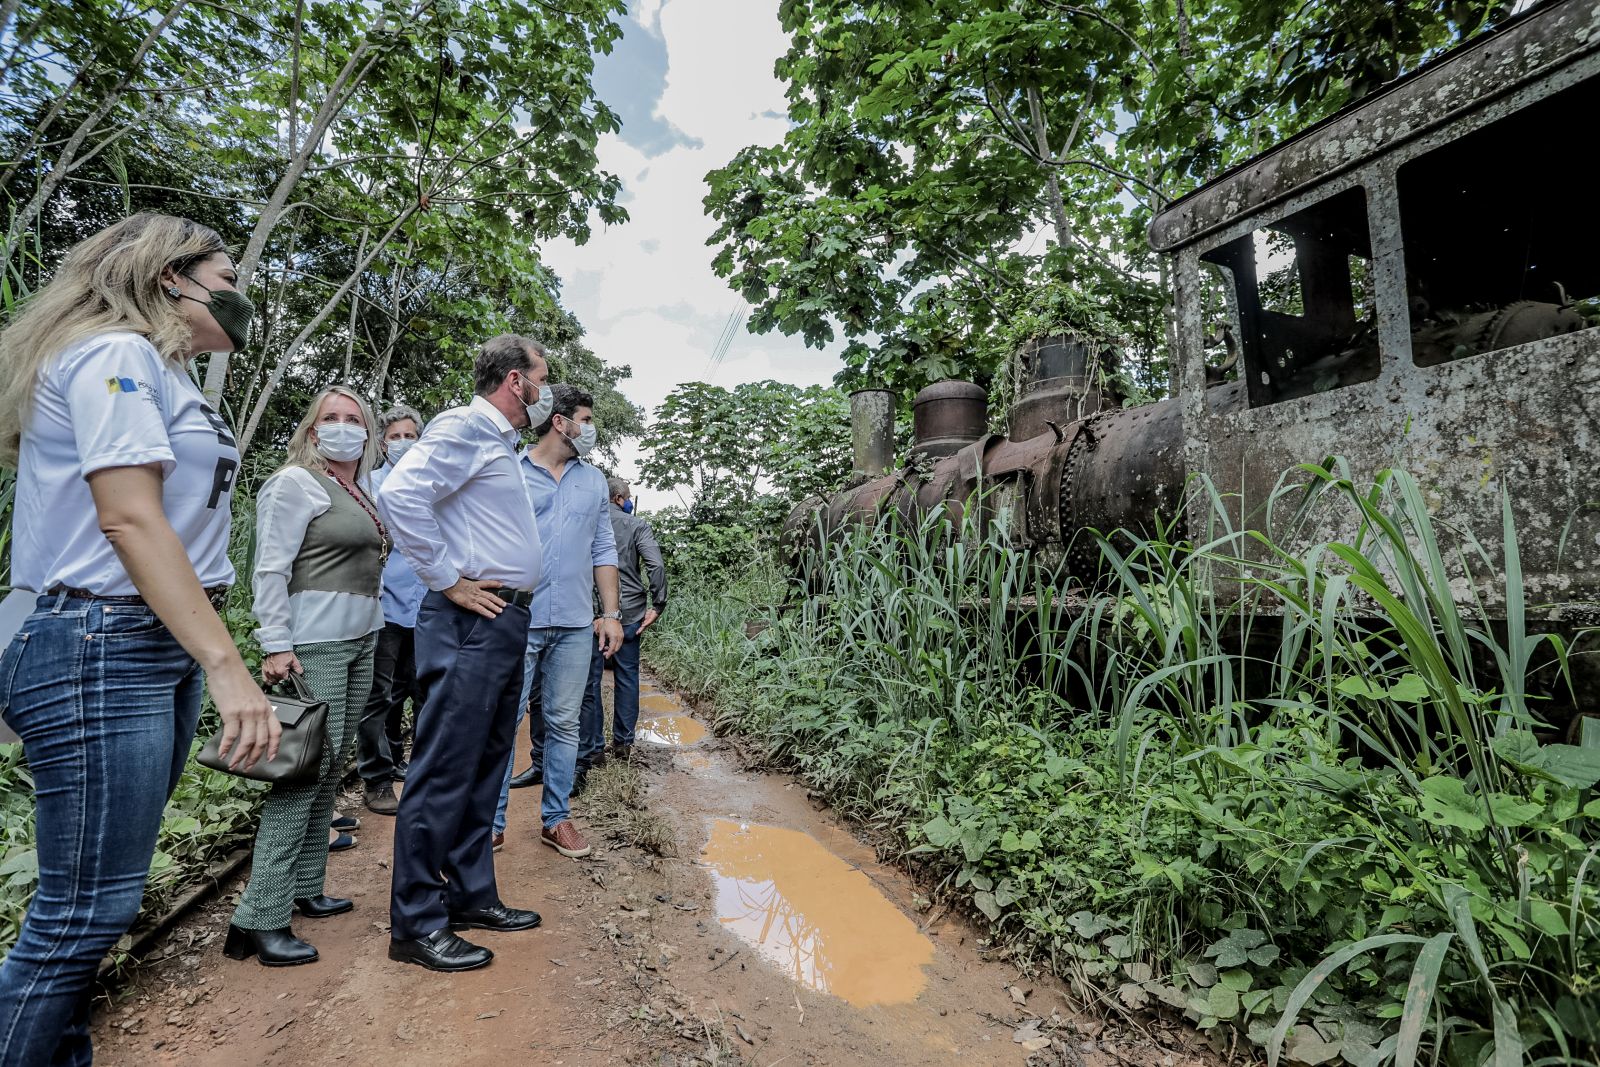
x=397, y=448
x=627, y=507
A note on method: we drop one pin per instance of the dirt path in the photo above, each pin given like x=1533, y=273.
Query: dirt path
x=720, y=953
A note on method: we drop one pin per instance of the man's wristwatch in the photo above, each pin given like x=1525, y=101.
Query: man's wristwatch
x=610, y=615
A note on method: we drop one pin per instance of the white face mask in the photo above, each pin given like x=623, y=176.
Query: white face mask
x=539, y=410
x=341, y=441
x=583, y=444
x=398, y=447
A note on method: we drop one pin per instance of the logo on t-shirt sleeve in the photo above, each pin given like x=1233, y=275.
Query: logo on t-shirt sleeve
x=121, y=385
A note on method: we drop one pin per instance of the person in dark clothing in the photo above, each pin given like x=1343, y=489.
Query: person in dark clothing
x=642, y=605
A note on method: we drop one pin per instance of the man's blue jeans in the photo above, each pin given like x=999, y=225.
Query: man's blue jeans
x=624, y=700
x=557, y=661
x=105, y=701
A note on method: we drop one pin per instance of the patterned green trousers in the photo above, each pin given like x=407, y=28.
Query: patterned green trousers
x=291, y=853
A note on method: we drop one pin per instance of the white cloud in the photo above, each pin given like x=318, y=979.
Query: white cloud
x=645, y=291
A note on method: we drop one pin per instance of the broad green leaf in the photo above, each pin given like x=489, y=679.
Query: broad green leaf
x=939, y=832
x=1445, y=802
x=1223, y=1001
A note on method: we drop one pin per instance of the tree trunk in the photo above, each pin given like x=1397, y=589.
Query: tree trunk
x=1041, y=144
x=293, y=348
x=355, y=306
x=339, y=92
x=68, y=160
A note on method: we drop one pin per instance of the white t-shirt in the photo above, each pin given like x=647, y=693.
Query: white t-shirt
x=112, y=401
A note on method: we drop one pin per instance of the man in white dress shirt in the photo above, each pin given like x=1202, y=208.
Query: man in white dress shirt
x=457, y=507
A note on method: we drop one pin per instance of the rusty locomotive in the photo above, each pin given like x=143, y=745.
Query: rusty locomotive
x=1425, y=247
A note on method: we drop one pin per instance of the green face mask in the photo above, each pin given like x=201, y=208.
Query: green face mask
x=232, y=310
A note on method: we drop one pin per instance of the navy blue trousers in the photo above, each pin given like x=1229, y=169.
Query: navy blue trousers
x=469, y=673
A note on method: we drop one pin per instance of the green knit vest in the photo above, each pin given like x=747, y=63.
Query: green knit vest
x=341, y=548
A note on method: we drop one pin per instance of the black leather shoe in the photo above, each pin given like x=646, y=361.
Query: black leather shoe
x=494, y=917
x=323, y=906
x=440, y=951
x=274, y=948
x=532, y=776
x=580, y=782
x=380, y=800
x=400, y=769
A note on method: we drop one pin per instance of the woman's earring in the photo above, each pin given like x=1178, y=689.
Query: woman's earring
x=174, y=292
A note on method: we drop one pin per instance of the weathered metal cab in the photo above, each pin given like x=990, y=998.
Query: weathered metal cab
x=1410, y=284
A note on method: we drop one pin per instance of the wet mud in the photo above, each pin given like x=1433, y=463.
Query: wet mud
x=818, y=919
x=770, y=935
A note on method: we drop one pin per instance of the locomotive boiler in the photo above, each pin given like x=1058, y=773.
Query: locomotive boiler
x=1408, y=284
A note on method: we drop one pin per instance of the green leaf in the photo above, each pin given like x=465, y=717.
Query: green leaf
x=986, y=903
x=1308, y=985
x=1544, y=915
x=939, y=832
x=1237, y=979
x=24, y=861
x=1446, y=803
x=1087, y=924
x=1264, y=955
x=1512, y=811
x=1410, y=689
x=1223, y=1001
x=1419, y=995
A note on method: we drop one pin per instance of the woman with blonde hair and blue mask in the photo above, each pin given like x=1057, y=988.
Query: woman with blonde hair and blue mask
x=123, y=507
x=320, y=548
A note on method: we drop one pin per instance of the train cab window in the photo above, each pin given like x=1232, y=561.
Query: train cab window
x=1302, y=300
x=1499, y=239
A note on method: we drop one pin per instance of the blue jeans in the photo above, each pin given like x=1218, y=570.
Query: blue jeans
x=624, y=700
x=557, y=661
x=105, y=701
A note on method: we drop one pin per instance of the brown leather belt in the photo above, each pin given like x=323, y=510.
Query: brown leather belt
x=217, y=594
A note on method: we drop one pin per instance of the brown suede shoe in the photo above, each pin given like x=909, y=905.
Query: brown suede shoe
x=497, y=842
x=565, y=839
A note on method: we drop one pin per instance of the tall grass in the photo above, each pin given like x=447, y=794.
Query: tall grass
x=1307, y=793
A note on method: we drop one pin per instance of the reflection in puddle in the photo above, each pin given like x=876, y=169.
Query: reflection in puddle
x=821, y=921
x=659, y=703
x=671, y=730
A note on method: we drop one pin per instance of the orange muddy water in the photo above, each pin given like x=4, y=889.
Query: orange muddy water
x=820, y=920
x=671, y=730
x=655, y=702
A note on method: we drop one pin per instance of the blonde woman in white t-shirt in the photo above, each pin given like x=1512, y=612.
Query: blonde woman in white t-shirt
x=124, y=475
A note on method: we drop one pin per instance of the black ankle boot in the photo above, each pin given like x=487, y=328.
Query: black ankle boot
x=274, y=948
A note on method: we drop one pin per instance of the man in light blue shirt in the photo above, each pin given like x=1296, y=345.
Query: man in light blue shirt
x=570, y=506
x=380, y=741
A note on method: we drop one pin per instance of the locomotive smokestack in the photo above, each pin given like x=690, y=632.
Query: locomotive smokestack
x=872, y=431
x=946, y=417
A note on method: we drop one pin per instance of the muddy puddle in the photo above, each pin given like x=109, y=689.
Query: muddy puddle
x=658, y=703
x=675, y=730
x=818, y=919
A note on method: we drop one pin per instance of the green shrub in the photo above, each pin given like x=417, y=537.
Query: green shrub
x=1324, y=812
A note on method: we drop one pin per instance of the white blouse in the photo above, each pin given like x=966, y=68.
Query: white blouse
x=287, y=503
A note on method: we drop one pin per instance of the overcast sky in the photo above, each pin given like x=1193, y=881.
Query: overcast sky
x=693, y=82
